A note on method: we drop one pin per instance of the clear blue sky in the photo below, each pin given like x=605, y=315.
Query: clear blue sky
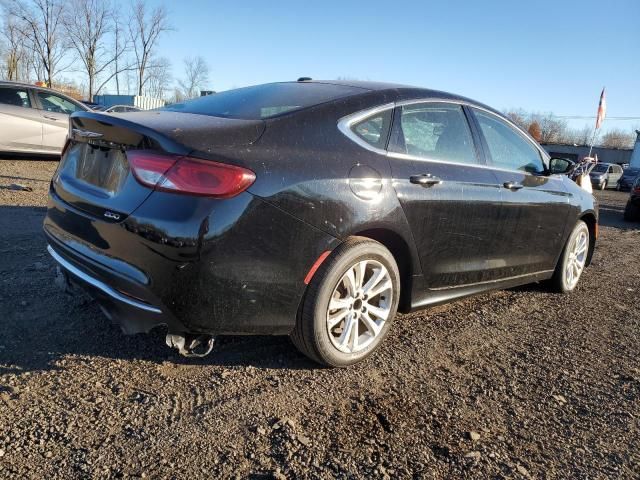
x=538, y=55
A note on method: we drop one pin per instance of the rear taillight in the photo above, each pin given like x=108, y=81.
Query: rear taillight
x=188, y=175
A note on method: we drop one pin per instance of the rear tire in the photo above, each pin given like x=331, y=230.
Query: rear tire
x=573, y=260
x=631, y=212
x=349, y=305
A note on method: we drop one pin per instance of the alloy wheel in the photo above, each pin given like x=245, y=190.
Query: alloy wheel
x=577, y=258
x=360, y=305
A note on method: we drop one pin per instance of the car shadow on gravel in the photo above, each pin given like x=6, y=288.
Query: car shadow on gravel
x=29, y=156
x=89, y=335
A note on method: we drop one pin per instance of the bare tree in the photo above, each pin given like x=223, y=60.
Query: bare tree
x=14, y=54
x=43, y=23
x=519, y=117
x=617, y=138
x=144, y=31
x=196, y=76
x=583, y=135
x=93, y=30
x=158, y=77
x=552, y=129
x=87, y=25
x=120, y=46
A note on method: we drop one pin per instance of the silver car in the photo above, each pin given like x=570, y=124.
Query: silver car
x=605, y=175
x=34, y=119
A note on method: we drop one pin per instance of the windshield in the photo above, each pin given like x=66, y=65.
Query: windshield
x=264, y=101
x=600, y=168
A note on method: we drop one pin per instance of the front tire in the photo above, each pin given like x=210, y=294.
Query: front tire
x=603, y=186
x=573, y=259
x=349, y=304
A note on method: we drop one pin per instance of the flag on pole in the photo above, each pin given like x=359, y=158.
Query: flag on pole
x=602, y=110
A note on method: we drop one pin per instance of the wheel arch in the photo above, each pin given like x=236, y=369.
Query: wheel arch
x=402, y=254
x=592, y=224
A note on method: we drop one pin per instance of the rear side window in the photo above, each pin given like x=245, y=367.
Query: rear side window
x=508, y=148
x=15, y=96
x=264, y=101
x=433, y=131
x=375, y=129
x=54, y=103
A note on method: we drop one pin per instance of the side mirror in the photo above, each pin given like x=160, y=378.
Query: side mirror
x=559, y=166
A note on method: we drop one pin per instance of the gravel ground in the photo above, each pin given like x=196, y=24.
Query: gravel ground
x=512, y=384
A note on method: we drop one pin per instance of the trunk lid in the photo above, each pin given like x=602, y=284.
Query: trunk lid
x=94, y=174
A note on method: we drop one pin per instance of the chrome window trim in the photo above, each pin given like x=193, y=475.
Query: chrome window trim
x=346, y=122
x=100, y=285
x=405, y=156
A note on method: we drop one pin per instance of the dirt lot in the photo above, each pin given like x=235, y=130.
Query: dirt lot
x=512, y=384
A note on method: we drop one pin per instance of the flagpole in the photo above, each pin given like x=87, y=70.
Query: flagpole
x=593, y=138
x=599, y=119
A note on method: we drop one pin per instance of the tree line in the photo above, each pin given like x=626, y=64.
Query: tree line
x=548, y=128
x=109, y=47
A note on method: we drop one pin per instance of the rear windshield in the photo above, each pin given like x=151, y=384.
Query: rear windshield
x=630, y=172
x=263, y=101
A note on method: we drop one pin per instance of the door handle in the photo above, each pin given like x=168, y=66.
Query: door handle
x=426, y=180
x=50, y=118
x=513, y=185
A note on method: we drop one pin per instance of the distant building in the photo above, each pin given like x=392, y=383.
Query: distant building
x=578, y=152
x=143, y=103
x=204, y=93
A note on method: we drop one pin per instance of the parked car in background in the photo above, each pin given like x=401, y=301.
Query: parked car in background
x=117, y=109
x=34, y=119
x=605, y=175
x=632, y=210
x=627, y=179
x=310, y=209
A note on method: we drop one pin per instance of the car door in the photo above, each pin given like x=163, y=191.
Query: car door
x=535, y=205
x=451, y=202
x=20, y=123
x=614, y=176
x=55, y=110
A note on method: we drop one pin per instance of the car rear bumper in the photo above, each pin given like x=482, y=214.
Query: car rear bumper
x=204, y=267
x=133, y=315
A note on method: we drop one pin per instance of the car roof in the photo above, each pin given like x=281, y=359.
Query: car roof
x=8, y=83
x=403, y=92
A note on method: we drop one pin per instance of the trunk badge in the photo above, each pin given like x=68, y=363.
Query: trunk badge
x=113, y=216
x=86, y=133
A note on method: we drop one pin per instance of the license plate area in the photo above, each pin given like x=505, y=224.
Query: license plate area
x=104, y=168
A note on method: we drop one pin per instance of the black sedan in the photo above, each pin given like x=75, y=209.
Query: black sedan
x=632, y=209
x=628, y=178
x=310, y=209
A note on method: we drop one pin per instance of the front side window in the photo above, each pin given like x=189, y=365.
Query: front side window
x=16, y=97
x=507, y=148
x=433, y=131
x=54, y=103
x=374, y=129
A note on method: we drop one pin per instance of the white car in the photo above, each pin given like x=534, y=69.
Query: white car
x=118, y=109
x=34, y=119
